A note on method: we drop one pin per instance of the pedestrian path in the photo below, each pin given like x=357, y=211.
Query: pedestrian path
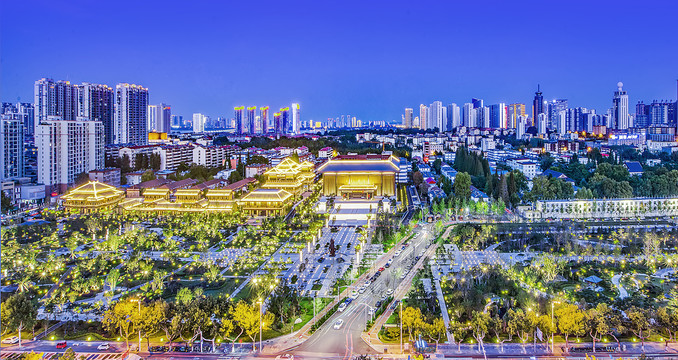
x=622, y=292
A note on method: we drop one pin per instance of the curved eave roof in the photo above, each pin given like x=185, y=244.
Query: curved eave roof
x=334, y=166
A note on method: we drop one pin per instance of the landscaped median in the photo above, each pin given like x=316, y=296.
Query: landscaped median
x=328, y=314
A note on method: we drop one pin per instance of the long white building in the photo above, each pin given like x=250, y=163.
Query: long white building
x=131, y=105
x=602, y=209
x=66, y=149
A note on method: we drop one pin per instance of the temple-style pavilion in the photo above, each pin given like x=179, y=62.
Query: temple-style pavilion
x=360, y=176
x=91, y=197
x=290, y=176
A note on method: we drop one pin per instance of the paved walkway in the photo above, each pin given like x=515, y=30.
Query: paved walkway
x=622, y=292
x=443, y=309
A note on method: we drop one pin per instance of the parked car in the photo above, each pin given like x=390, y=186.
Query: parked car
x=389, y=292
x=61, y=345
x=342, y=307
x=285, y=357
x=354, y=294
x=104, y=346
x=338, y=324
x=11, y=340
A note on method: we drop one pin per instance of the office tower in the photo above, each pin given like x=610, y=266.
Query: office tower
x=12, y=141
x=239, y=124
x=477, y=103
x=499, y=116
x=514, y=111
x=277, y=123
x=131, y=105
x=296, y=118
x=554, y=108
x=435, y=120
x=521, y=126
x=423, y=113
x=25, y=111
x=407, y=119
x=620, y=108
x=659, y=112
x=54, y=98
x=542, y=122
x=453, y=117
x=199, y=121
x=96, y=102
x=285, y=120
x=250, y=125
x=158, y=118
x=537, y=104
x=415, y=123
x=642, y=115
x=263, y=117
x=68, y=148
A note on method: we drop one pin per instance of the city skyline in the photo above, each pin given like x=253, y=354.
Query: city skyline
x=323, y=72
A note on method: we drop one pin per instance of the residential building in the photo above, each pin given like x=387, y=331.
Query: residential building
x=173, y=155
x=514, y=112
x=253, y=170
x=525, y=165
x=620, y=108
x=199, y=121
x=55, y=98
x=25, y=111
x=210, y=156
x=263, y=118
x=131, y=106
x=110, y=176
x=407, y=119
x=499, y=116
x=453, y=117
x=250, y=125
x=12, y=142
x=296, y=118
x=68, y=148
x=159, y=117
x=325, y=153
x=97, y=102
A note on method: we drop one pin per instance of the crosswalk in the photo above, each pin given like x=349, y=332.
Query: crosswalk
x=13, y=355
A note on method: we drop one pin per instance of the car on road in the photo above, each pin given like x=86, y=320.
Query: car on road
x=338, y=324
x=11, y=340
x=354, y=294
x=61, y=345
x=389, y=262
x=104, y=346
x=368, y=283
x=397, y=253
x=381, y=269
x=389, y=292
x=285, y=357
x=342, y=307
x=362, y=289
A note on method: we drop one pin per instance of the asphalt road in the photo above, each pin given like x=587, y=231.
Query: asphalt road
x=346, y=341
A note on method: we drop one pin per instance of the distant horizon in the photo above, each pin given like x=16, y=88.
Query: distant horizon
x=365, y=60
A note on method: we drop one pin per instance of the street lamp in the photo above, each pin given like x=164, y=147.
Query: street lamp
x=401, y=326
x=261, y=306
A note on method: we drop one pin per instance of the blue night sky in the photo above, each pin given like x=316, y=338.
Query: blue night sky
x=365, y=58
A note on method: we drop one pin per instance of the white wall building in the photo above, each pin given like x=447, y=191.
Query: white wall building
x=199, y=121
x=524, y=165
x=131, y=105
x=158, y=118
x=68, y=148
x=12, y=142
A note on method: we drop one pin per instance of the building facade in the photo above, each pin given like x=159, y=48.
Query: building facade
x=131, y=105
x=12, y=141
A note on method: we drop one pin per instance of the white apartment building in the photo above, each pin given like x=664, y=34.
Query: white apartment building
x=132, y=151
x=173, y=155
x=211, y=156
x=68, y=148
x=12, y=141
x=524, y=165
x=131, y=106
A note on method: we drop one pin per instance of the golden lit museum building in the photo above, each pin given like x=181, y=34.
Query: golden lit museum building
x=360, y=176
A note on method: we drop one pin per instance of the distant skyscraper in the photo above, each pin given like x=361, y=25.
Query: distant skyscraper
x=483, y=114
x=285, y=120
x=251, y=125
x=97, y=102
x=561, y=122
x=12, y=142
x=477, y=103
x=263, y=117
x=659, y=112
x=469, y=117
x=199, y=121
x=423, y=117
x=296, y=118
x=521, y=126
x=239, y=122
x=407, y=120
x=499, y=116
x=453, y=117
x=159, y=118
x=514, y=111
x=542, y=122
x=277, y=124
x=620, y=108
x=177, y=121
x=554, y=109
x=131, y=105
x=436, y=118
x=537, y=105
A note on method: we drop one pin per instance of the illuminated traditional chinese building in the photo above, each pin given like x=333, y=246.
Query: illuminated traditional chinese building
x=360, y=176
x=91, y=197
x=266, y=202
x=290, y=176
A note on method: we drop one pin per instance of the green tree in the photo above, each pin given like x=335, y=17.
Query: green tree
x=570, y=321
x=412, y=320
x=462, y=186
x=480, y=322
x=638, y=320
x=147, y=176
x=21, y=313
x=597, y=322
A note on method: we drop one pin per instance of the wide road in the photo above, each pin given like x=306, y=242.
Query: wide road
x=342, y=343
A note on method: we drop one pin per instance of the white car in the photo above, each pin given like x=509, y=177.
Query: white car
x=103, y=346
x=354, y=294
x=342, y=307
x=285, y=357
x=362, y=289
x=397, y=253
x=11, y=340
x=338, y=324
x=368, y=283
x=389, y=292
